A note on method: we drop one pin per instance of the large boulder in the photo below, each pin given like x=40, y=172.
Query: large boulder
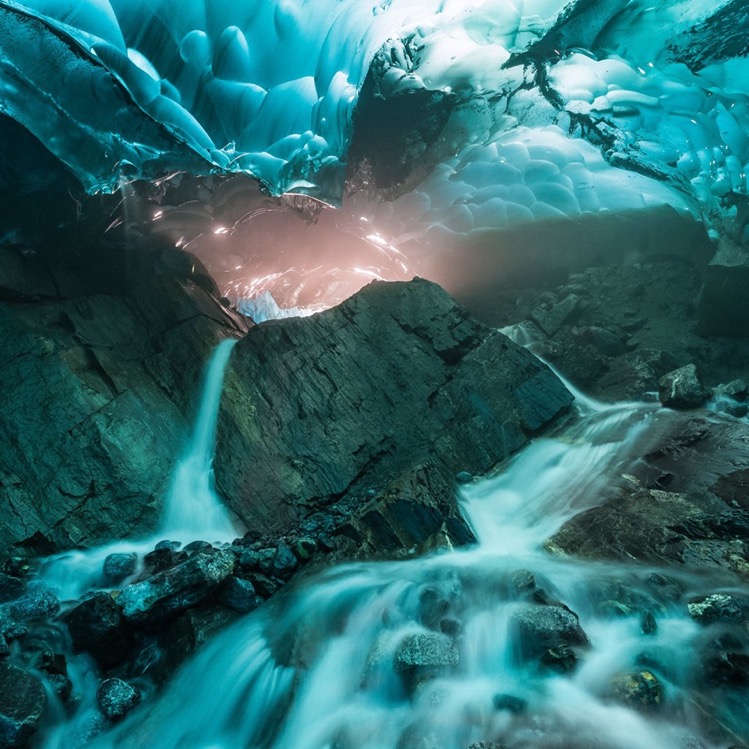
x=317, y=409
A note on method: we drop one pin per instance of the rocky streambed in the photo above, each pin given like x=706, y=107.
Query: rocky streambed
x=383, y=429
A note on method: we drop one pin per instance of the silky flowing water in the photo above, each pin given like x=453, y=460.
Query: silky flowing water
x=314, y=668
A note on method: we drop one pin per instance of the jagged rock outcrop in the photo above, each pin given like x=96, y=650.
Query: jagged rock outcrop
x=322, y=409
x=101, y=358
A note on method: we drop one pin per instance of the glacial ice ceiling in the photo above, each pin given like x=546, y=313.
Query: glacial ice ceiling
x=490, y=114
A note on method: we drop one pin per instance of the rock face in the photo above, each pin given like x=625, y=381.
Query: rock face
x=614, y=331
x=102, y=352
x=317, y=409
x=686, y=504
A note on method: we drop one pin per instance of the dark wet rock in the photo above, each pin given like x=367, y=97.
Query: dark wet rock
x=22, y=701
x=97, y=626
x=509, y=702
x=727, y=667
x=648, y=624
x=682, y=388
x=159, y=560
x=552, y=316
x=717, y=607
x=117, y=698
x=189, y=631
x=486, y=745
x=351, y=418
x=10, y=627
x=425, y=651
x=432, y=607
x=177, y=588
x=61, y=685
x=684, y=503
x=264, y=585
x=305, y=548
x=542, y=627
x=4, y=647
x=284, y=562
x=40, y=603
x=119, y=566
x=640, y=689
x=10, y=587
x=239, y=595
x=166, y=544
x=198, y=546
x=415, y=510
x=561, y=658
x=109, y=361
x=16, y=567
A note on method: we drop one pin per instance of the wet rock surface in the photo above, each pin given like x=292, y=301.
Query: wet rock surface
x=615, y=331
x=103, y=344
x=683, y=504
x=320, y=409
x=22, y=702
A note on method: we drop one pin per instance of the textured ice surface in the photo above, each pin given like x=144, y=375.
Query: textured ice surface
x=143, y=87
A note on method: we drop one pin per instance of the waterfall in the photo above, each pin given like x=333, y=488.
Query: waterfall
x=192, y=508
x=315, y=668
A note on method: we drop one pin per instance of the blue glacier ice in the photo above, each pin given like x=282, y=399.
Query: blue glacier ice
x=124, y=88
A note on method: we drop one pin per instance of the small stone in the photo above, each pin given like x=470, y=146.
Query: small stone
x=648, y=625
x=305, y=548
x=682, y=388
x=249, y=560
x=22, y=701
x=159, y=560
x=464, y=477
x=167, y=545
x=266, y=558
x=239, y=595
x=117, y=698
x=432, y=607
x=561, y=658
x=119, y=566
x=426, y=651
x=542, y=627
x=284, y=562
x=62, y=685
x=16, y=566
x=198, y=546
x=96, y=626
x=522, y=581
x=512, y=704
x=717, y=606
x=638, y=689
x=40, y=603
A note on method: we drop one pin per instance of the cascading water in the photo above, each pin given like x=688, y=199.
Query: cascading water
x=335, y=663
x=192, y=509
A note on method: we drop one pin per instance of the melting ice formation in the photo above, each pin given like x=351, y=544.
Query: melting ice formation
x=551, y=97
